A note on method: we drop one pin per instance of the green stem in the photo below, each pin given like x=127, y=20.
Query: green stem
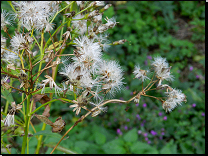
x=43, y=106
x=6, y=107
x=7, y=102
x=10, y=3
x=5, y=146
x=25, y=138
x=49, y=40
x=61, y=11
x=84, y=10
x=44, y=125
x=40, y=139
x=62, y=29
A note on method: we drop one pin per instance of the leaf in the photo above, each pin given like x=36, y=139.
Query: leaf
x=42, y=98
x=48, y=133
x=99, y=138
x=58, y=125
x=46, y=111
x=56, y=44
x=7, y=95
x=63, y=149
x=131, y=136
x=165, y=150
x=48, y=90
x=114, y=147
x=82, y=145
x=44, y=119
x=195, y=95
x=142, y=148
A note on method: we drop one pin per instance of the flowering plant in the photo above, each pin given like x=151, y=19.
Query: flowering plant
x=91, y=81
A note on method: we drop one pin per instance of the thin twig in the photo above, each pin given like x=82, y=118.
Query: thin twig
x=84, y=116
x=50, y=61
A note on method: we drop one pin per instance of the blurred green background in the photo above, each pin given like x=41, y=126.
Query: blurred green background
x=171, y=29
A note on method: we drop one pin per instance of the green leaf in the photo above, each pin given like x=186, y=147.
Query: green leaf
x=109, y=13
x=131, y=136
x=83, y=134
x=94, y=149
x=185, y=149
x=82, y=145
x=48, y=90
x=7, y=95
x=195, y=95
x=114, y=147
x=165, y=150
x=63, y=149
x=48, y=133
x=142, y=148
x=99, y=138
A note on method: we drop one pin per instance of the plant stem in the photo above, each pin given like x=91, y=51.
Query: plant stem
x=61, y=11
x=84, y=116
x=25, y=138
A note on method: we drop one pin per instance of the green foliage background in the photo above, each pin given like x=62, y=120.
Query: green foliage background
x=174, y=30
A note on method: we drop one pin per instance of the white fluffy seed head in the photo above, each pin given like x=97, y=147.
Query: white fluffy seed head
x=35, y=14
x=162, y=69
x=176, y=95
x=17, y=42
x=5, y=20
x=112, y=75
x=89, y=54
x=139, y=73
x=80, y=25
x=175, y=98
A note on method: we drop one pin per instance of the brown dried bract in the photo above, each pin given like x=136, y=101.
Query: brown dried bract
x=58, y=125
x=43, y=99
x=44, y=119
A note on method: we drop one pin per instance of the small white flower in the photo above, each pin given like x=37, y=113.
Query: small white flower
x=140, y=73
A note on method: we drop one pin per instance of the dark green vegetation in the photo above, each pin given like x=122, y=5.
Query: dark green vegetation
x=174, y=30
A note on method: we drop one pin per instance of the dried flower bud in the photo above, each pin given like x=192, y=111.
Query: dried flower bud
x=119, y=42
x=67, y=35
x=71, y=14
x=28, y=38
x=4, y=83
x=23, y=76
x=107, y=6
x=96, y=112
x=93, y=13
